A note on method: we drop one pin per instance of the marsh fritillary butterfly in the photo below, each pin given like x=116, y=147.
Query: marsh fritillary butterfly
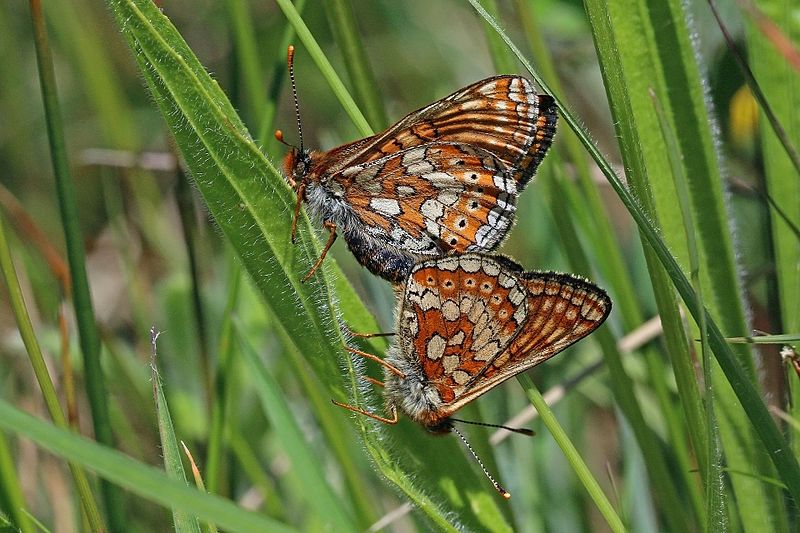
x=466, y=323
x=444, y=179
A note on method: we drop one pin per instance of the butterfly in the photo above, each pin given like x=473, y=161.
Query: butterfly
x=466, y=323
x=444, y=179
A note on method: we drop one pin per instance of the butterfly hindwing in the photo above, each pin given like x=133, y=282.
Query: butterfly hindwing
x=433, y=199
x=466, y=312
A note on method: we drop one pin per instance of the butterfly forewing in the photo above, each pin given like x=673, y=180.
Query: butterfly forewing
x=503, y=115
x=562, y=309
x=460, y=312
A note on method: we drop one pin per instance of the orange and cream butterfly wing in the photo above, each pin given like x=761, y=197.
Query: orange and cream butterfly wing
x=502, y=115
x=459, y=313
x=433, y=199
x=561, y=310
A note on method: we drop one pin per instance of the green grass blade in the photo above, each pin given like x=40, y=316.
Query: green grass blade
x=12, y=502
x=222, y=390
x=572, y=454
x=501, y=57
x=247, y=58
x=738, y=378
x=622, y=384
x=84, y=313
x=325, y=67
x=25, y=327
x=779, y=83
x=342, y=20
x=278, y=76
x=169, y=443
x=146, y=481
x=716, y=500
x=320, y=497
x=186, y=209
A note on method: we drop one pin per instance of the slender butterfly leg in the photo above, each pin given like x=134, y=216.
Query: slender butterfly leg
x=374, y=381
x=331, y=238
x=393, y=369
x=360, y=411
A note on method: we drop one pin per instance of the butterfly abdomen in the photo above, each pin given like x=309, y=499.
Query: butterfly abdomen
x=379, y=258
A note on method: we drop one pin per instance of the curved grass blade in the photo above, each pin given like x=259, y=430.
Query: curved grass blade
x=252, y=203
x=169, y=444
x=144, y=480
x=88, y=335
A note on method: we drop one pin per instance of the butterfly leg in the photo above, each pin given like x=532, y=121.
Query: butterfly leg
x=393, y=369
x=360, y=411
x=331, y=238
x=374, y=381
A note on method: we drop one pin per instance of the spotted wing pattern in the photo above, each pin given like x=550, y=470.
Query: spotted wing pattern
x=502, y=114
x=433, y=199
x=562, y=309
x=459, y=314
x=493, y=320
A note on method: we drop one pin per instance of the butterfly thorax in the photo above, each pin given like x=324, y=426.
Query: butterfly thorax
x=413, y=394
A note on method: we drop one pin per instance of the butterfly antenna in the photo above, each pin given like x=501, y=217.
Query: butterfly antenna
x=290, y=62
x=521, y=431
x=503, y=492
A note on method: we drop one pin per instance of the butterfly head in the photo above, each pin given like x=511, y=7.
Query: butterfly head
x=413, y=393
x=296, y=167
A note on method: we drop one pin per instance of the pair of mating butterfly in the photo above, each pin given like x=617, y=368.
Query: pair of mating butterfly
x=417, y=205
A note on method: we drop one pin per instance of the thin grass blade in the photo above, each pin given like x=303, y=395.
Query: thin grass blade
x=144, y=480
x=173, y=464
